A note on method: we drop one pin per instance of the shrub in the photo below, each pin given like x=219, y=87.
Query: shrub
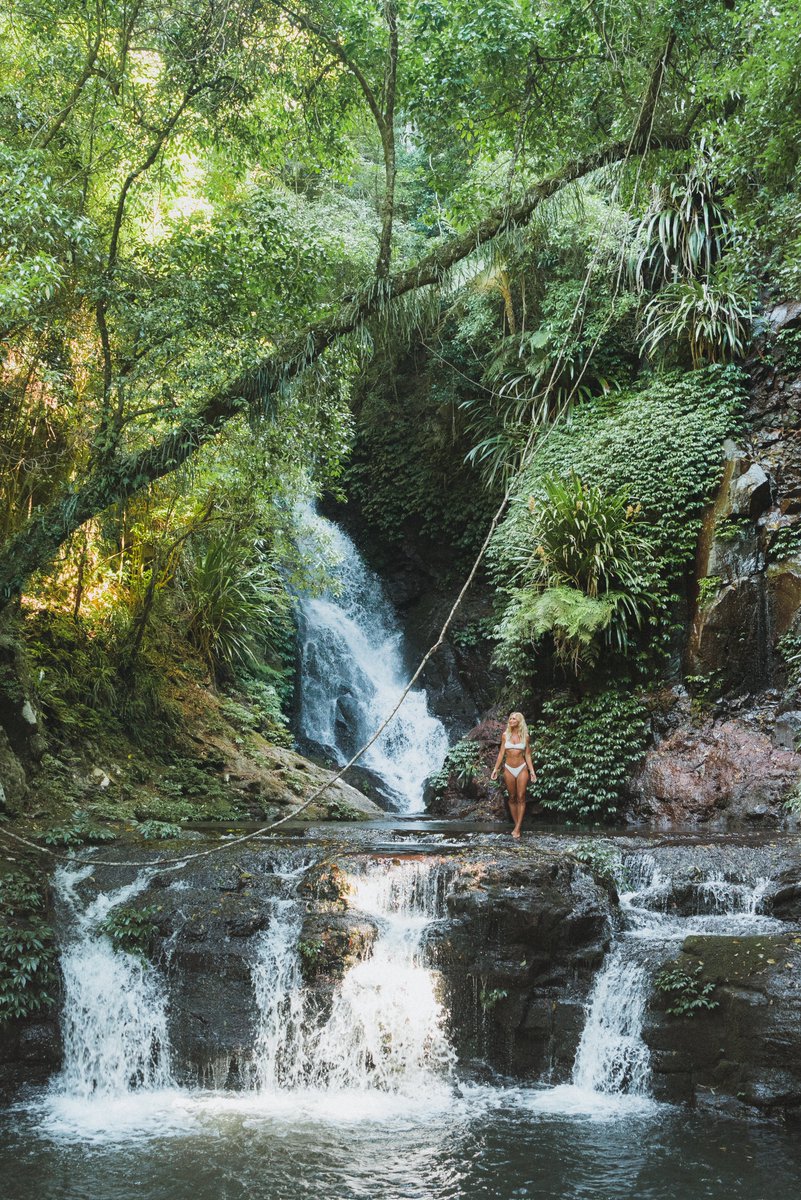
x=462, y=760
x=664, y=444
x=158, y=830
x=591, y=566
x=27, y=976
x=79, y=832
x=233, y=600
x=27, y=953
x=130, y=929
x=712, y=319
x=687, y=990
x=585, y=751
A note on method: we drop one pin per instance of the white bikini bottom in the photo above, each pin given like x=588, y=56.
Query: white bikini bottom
x=515, y=771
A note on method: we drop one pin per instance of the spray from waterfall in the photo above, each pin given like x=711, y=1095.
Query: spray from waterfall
x=386, y=1027
x=114, y=1016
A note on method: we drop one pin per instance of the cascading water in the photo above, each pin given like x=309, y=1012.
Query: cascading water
x=114, y=1016
x=386, y=1027
x=612, y=1063
x=352, y=673
x=612, y=1056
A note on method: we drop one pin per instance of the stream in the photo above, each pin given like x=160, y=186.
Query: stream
x=366, y=1097
x=356, y=1089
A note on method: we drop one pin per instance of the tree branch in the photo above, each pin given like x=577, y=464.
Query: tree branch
x=36, y=545
x=75, y=94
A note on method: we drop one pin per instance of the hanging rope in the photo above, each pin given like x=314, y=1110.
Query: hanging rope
x=644, y=116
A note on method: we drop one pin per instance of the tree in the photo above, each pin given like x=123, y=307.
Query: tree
x=171, y=137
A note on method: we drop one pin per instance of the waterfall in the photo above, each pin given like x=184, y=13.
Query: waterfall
x=352, y=672
x=386, y=1029
x=387, y=1026
x=114, y=1016
x=612, y=1070
x=278, y=990
x=612, y=1056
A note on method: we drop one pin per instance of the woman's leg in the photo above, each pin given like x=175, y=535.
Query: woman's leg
x=518, y=806
x=511, y=790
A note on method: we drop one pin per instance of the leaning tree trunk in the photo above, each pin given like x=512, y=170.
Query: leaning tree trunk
x=36, y=545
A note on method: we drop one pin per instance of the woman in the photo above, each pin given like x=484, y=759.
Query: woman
x=518, y=768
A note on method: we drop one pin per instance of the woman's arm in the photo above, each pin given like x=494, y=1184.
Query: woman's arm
x=532, y=776
x=498, y=761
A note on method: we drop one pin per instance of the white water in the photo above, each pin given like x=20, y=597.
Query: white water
x=386, y=1030
x=612, y=1069
x=380, y=1051
x=612, y=1056
x=352, y=673
x=114, y=1018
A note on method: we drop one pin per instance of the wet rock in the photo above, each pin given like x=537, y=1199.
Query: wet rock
x=729, y=636
x=476, y=799
x=525, y=934
x=785, y=315
x=784, y=585
x=30, y=1052
x=749, y=492
x=787, y=730
x=743, y=1053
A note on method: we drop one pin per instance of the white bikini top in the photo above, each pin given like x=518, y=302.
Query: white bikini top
x=514, y=745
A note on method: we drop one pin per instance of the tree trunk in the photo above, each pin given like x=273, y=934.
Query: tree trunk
x=36, y=545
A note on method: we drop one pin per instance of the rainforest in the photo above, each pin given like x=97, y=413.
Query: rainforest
x=370, y=372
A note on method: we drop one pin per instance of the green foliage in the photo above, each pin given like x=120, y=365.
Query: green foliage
x=131, y=929
x=184, y=779
x=603, y=860
x=584, y=752
x=233, y=600
x=785, y=543
x=489, y=997
x=788, y=345
x=27, y=972
x=708, y=588
x=688, y=991
x=731, y=528
x=339, y=810
x=81, y=683
x=28, y=978
x=462, y=760
x=80, y=831
x=591, y=566
x=158, y=830
x=263, y=712
x=309, y=952
x=663, y=444
x=789, y=649
x=20, y=892
x=792, y=802
x=709, y=317
x=407, y=471
x=687, y=229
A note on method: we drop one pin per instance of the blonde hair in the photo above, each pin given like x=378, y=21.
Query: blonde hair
x=523, y=726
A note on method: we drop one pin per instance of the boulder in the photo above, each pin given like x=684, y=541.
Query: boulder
x=744, y=1052
x=749, y=491
x=527, y=931
x=719, y=773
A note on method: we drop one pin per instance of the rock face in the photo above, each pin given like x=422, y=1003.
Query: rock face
x=745, y=1051
x=476, y=799
x=716, y=772
x=527, y=932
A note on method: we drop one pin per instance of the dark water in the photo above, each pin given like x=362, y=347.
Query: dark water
x=490, y=1143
